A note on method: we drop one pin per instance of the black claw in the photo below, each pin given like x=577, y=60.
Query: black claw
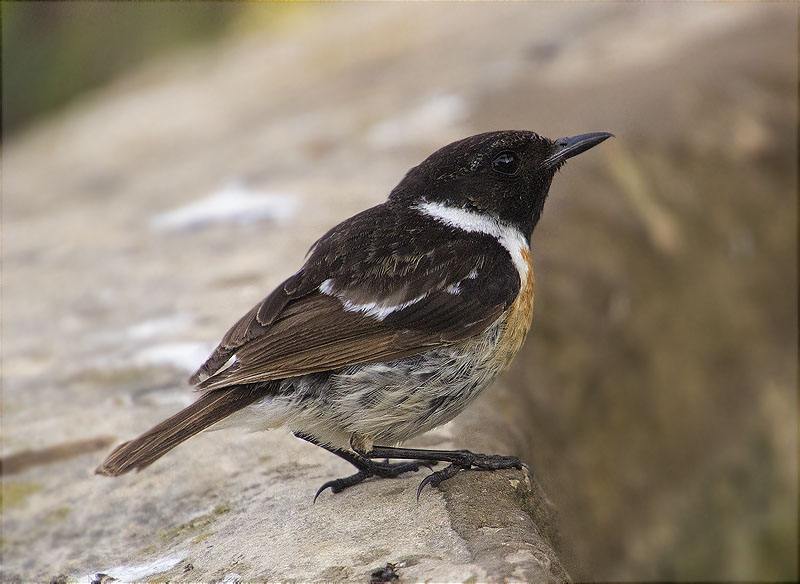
x=339, y=485
x=436, y=478
x=470, y=460
x=425, y=481
x=373, y=469
x=323, y=487
x=319, y=491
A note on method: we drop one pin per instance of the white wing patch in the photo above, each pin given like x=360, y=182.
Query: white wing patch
x=509, y=237
x=455, y=289
x=379, y=310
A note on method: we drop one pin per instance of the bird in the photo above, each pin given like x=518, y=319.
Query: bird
x=399, y=318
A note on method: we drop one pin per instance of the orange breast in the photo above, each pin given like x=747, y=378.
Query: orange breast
x=518, y=318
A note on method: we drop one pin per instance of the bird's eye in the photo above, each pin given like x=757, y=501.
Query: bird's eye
x=506, y=163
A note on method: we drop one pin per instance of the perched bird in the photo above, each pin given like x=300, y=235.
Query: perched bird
x=398, y=319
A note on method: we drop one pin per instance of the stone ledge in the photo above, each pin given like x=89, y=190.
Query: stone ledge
x=198, y=515
x=507, y=523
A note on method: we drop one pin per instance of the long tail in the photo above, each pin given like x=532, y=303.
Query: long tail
x=157, y=441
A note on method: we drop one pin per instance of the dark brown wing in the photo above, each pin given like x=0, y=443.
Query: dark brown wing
x=368, y=295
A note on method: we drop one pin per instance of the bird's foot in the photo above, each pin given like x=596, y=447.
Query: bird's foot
x=370, y=468
x=467, y=460
x=339, y=485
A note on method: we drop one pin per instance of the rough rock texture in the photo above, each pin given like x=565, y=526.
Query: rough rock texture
x=202, y=518
x=495, y=517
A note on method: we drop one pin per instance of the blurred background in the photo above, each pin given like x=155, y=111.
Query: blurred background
x=166, y=164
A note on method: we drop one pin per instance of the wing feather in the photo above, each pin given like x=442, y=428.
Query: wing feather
x=419, y=300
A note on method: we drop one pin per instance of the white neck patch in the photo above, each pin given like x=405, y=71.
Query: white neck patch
x=507, y=236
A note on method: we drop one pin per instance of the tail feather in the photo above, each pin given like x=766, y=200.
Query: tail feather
x=212, y=407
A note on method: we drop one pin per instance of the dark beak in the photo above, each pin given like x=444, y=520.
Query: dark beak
x=574, y=145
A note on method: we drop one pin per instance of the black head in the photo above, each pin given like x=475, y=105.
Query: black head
x=504, y=174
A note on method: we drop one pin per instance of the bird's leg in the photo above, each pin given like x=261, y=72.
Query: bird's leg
x=366, y=467
x=459, y=460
